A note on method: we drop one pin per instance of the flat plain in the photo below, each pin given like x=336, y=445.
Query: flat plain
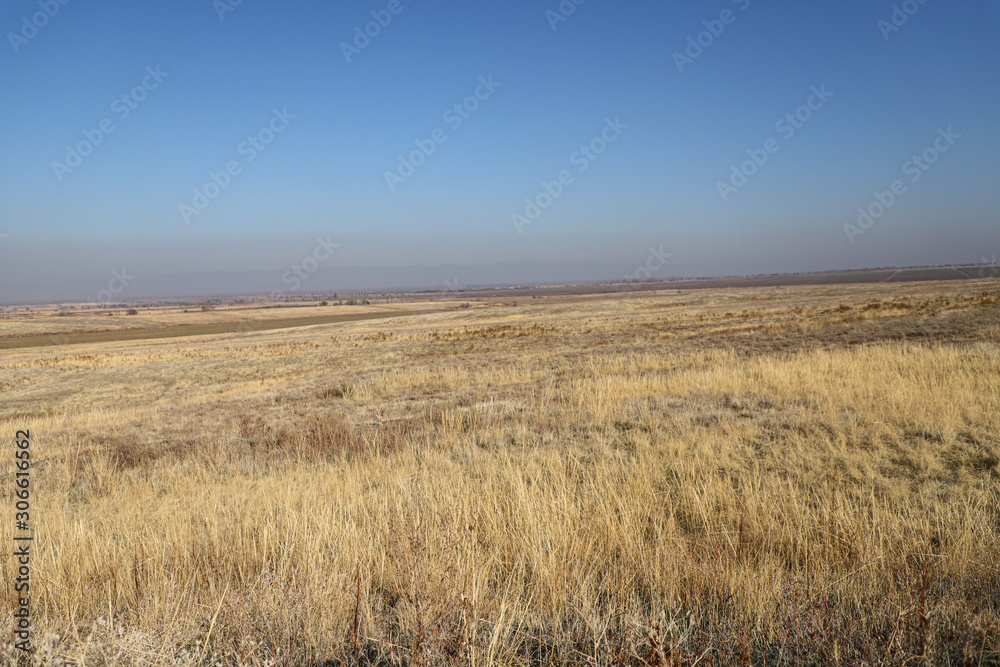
x=781, y=475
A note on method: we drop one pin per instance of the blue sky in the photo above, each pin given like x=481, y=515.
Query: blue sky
x=658, y=182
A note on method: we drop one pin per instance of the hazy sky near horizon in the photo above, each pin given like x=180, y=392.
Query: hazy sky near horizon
x=471, y=133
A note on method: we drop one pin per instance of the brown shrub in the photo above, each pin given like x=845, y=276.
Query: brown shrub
x=324, y=437
x=328, y=437
x=127, y=451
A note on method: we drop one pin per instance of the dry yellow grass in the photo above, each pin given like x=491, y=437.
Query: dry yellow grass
x=784, y=476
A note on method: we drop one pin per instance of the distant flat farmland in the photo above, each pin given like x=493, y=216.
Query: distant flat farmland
x=45, y=329
x=928, y=274
x=176, y=331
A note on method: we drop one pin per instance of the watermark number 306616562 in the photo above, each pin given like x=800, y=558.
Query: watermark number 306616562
x=22, y=540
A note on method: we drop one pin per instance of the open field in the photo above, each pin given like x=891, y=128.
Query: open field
x=207, y=328
x=21, y=322
x=863, y=276
x=794, y=475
